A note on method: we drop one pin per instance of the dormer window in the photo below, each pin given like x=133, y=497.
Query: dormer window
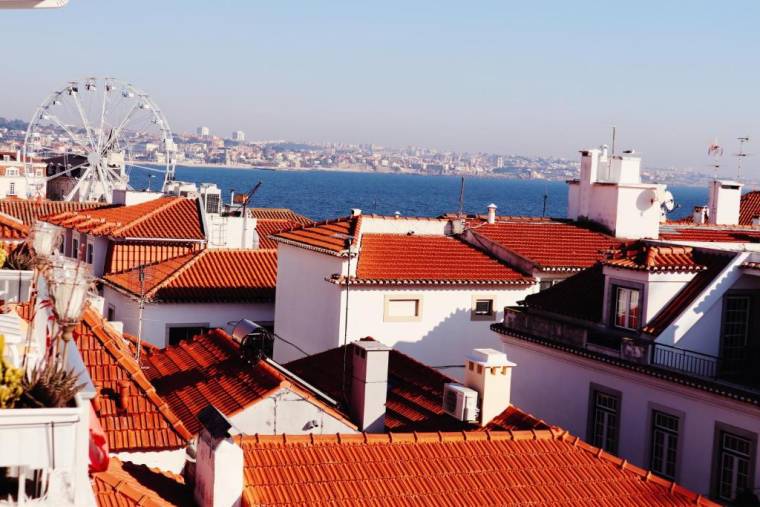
x=627, y=307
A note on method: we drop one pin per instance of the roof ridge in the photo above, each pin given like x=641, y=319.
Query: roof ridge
x=135, y=373
x=173, y=276
x=170, y=201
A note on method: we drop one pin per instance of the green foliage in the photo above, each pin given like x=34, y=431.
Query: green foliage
x=10, y=380
x=48, y=386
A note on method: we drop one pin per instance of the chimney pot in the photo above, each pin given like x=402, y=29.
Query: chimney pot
x=355, y=212
x=491, y=213
x=489, y=372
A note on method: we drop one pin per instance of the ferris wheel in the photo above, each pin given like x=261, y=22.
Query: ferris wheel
x=93, y=133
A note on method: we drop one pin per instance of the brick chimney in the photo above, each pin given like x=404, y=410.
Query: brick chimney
x=369, y=385
x=219, y=463
x=489, y=372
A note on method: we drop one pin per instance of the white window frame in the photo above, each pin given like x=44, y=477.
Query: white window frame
x=670, y=440
x=595, y=410
x=387, y=317
x=628, y=292
x=474, y=315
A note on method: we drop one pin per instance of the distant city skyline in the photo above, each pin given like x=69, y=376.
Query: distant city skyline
x=497, y=77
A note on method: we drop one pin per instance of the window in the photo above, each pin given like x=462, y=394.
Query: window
x=735, y=328
x=89, y=253
x=483, y=308
x=75, y=248
x=545, y=284
x=627, y=308
x=12, y=171
x=664, y=447
x=12, y=188
x=735, y=456
x=111, y=313
x=179, y=333
x=604, y=419
x=403, y=309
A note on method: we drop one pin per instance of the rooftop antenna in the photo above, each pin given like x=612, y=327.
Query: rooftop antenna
x=740, y=156
x=715, y=150
x=614, y=132
x=461, y=197
x=546, y=197
x=141, y=306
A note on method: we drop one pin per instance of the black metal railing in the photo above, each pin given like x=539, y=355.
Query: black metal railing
x=687, y=361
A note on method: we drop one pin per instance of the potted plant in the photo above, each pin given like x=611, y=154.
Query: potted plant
x=44, y=421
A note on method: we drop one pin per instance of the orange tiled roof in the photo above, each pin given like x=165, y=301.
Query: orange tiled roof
x=210, y=370
x=147, y=423
x=749, y=207
x=211, y=275
x=654, y=258
x=12, y=229
x=709, y=233
x=415, y=391
x=267, y=227
x=538, y=467
x=550, y=244
x=162, y=218
x=326, y=237
x=122, y=256
x=280, y=214
x=126, y=484
x=400, y=258
x=29, y=210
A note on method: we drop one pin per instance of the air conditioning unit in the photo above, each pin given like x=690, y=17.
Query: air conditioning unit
x=460, y=402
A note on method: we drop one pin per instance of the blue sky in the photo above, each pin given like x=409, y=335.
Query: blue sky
x=533, y=78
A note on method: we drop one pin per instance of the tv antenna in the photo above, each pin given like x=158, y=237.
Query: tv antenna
x=740, y=156
x=715, y=151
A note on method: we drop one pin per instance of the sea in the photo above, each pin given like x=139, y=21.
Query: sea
x=321, y=195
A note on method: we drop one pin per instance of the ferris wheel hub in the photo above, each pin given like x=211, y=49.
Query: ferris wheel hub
x=93, y=158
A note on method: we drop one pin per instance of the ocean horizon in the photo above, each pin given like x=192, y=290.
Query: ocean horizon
x=323, y=194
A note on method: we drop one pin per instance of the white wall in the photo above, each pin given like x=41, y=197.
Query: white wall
x=158, y=316
x=445, y=332
x=286, y=412
x=170, y=461
x=555, y=386
x=15, y=285
x=307, y=308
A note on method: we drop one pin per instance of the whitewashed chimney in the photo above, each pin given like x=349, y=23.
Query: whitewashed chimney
x=491, y=213
x=355, y=212
x=725, y=199
x=219, y=463
x=369, y=386
x=489, y=372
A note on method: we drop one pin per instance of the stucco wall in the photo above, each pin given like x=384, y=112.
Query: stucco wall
x=158, y=316
x=307, y=308
x=445, y=332
x=286, y=412
x=555, y=386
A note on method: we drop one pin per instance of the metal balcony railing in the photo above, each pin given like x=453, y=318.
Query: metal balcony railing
x=686, y=361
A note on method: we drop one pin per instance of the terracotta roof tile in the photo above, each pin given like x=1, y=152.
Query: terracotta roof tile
x=130, y=485
x=463, y=468
x=550, y=244
x=209, y=369
x=326, y=237
x=29, y=210
x=211, y=275
x=12, y=229
x=749, y=207
x=127, y=255
x=146, y=423
x=709, y=233
x=162, y=218
x=405, y=258
x=280, y=214
x=267, y=227
x=415, y=393
x=656, y=258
